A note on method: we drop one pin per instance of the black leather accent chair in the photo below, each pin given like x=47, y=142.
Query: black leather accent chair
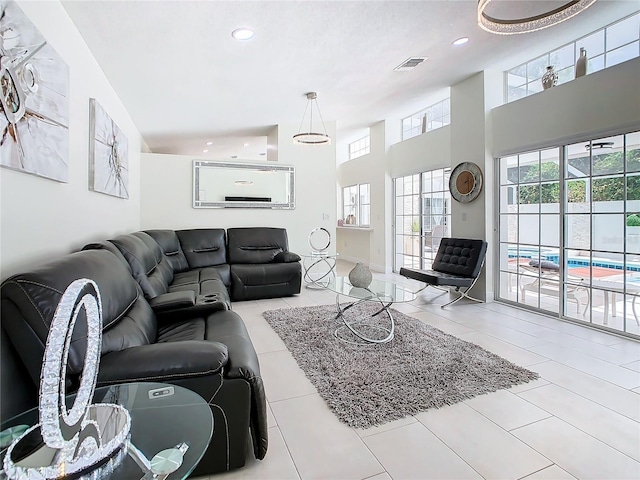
x=457, y=264
x=261, y=264
x=210, y=354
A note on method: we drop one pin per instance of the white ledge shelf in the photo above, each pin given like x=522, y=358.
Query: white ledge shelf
x=359, y=229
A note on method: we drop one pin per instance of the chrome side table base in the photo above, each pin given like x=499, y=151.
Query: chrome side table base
x=322, y=266
x=355, y=326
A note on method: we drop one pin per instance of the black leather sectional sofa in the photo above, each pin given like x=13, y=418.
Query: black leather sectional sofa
x=167, y=317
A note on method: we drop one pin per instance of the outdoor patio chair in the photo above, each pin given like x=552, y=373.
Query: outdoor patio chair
x=548, y=282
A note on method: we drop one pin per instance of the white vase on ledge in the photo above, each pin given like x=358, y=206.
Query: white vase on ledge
x=581, y=63
x=550, y=78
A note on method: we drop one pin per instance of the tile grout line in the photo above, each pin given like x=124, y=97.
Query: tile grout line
x=582, y=431
x=570, y=423
x=289, y=452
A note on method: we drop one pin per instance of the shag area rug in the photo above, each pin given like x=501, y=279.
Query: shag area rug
x=421, y=368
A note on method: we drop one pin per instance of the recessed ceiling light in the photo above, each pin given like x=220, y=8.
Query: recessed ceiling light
x=461, y=41
x=242, y=34
x=246, y=144
x=205, y=150
x=209, y=143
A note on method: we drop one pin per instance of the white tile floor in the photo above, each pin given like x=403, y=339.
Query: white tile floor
x=579, y=420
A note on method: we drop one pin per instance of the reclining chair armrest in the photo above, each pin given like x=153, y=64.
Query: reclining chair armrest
x=162, y=362
x=173, y=301
x=286, y=257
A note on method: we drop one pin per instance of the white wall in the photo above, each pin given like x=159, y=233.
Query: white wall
x=42, y=219
x=471, y=104
x=428, y=151
x=167, y=193
x=370, y=245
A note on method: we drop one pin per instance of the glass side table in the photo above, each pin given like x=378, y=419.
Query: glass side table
x=319, y=268
x=171, y=428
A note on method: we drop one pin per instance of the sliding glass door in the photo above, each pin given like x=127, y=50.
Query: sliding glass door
x=568, y=242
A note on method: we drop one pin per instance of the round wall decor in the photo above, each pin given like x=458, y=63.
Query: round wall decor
x=465, y=183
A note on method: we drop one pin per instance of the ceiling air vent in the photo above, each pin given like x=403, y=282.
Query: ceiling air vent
x=409, y=64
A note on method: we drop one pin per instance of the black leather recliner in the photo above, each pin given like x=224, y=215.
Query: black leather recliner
x=198, y=290
x=261, y=264
x=210, y=354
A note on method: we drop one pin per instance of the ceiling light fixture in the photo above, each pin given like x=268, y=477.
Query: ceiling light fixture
x=461, y=41
x=530, y=24
x=311, y=137
x=209, y=143
x=205, y=150
x=242, y=34
x=598, y=145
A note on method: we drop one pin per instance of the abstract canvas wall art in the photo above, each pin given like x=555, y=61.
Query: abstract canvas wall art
x=108, y=154
x=34, y=99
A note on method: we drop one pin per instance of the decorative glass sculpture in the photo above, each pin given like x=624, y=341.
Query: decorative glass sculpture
x=70, y=442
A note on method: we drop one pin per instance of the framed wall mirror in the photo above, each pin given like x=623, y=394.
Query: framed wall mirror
x=243, y=185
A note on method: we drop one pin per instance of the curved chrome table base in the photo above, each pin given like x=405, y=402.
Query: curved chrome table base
x=353, y=325
x=317, y=283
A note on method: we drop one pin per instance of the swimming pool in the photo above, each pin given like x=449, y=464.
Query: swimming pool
x=552, y=255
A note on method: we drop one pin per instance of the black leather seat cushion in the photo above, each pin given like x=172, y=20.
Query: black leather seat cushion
x=270, y=280
x=436, y=278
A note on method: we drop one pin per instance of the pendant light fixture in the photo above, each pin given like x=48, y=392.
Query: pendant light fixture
x=310, y=137
x=531, y=24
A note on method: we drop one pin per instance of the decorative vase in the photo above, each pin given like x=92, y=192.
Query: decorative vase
x=360, y=276
x=581, y=63
x=550, y=78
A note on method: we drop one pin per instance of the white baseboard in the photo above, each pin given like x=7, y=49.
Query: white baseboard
x=374, y=267
x=378, y=268
x=350, y=259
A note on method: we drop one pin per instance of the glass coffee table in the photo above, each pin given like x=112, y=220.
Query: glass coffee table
x=171, y=428
x=376, y=324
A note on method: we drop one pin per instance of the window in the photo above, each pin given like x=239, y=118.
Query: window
x=568, y=241
x=359, y=147
x=609, y=46
x=422, y=217
x=356, y=205
x=430, y=118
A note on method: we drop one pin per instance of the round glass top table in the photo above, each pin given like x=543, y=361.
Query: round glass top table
x=373, y=323
x=169, y=425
